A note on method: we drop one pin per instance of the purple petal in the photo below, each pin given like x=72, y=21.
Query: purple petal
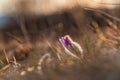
x=65, y=41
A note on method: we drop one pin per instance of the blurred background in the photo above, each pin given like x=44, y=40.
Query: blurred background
x=33, y=12
x=31, y=28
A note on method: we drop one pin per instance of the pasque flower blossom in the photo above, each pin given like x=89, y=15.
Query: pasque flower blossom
x=67, y=43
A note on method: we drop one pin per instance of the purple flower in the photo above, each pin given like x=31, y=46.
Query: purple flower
x=65, y=41
x=69, y=46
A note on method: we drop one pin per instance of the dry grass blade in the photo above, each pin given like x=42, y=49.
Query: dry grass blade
x=59, y=57
x=52, y=48
x=15, y=62
x=4, y=68
x=7, y=59
x=104, y=13
x=24, y=30
x=110, y=23
x=15, y=38
x=43, y=57
x=87, y=45
x=1, y=62
x=101, y=36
